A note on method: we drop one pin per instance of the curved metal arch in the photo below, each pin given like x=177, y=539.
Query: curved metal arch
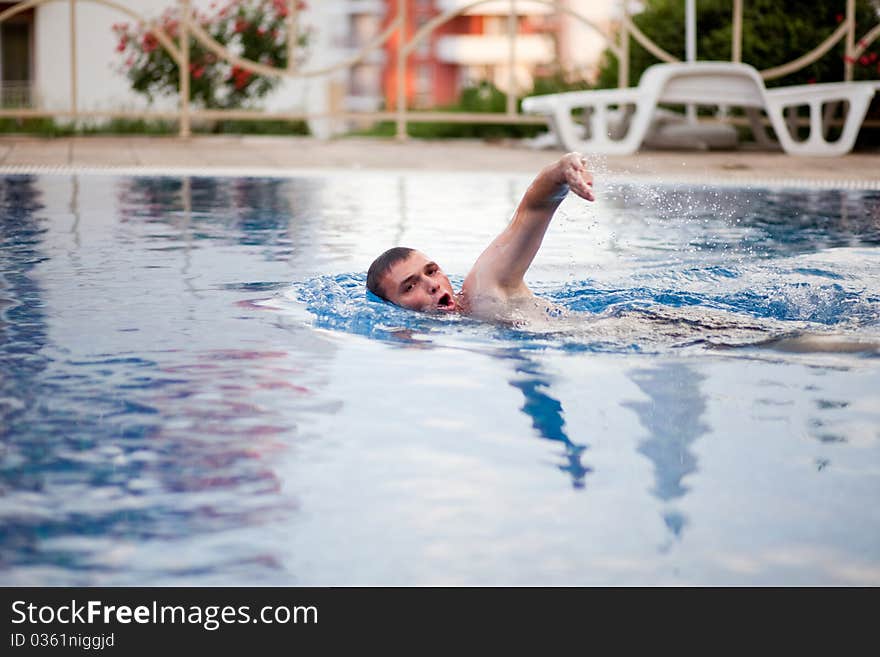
x=867, y=40
x=777, y=71
x=159, y=33
x=255, y=67
x=646, y=43
x=809, y=58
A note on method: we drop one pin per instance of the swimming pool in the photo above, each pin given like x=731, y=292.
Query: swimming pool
x=195, y=390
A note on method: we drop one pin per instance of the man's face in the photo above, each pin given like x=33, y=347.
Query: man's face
x=419, y=284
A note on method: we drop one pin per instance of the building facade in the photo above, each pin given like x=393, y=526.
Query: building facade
x=16, y=58
x=469, y=48
x=35, y=63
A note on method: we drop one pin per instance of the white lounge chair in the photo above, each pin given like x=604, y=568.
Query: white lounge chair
x=723, y=84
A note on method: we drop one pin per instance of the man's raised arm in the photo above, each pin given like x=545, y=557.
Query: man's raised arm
x=501, y=267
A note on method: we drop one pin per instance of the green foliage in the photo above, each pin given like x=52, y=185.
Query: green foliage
x=254, y=127
x=557, y=83
x=43, y=127
x=47, y=127
x=774, y=32
x=252, y=29
x=128, y=127
x=482, y=97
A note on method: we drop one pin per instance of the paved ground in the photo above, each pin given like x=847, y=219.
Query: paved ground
x=266, y=155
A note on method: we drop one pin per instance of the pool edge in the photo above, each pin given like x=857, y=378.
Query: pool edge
x=329, y=172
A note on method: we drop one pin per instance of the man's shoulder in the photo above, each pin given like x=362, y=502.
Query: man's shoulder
x=479, y=292
x=493, y=302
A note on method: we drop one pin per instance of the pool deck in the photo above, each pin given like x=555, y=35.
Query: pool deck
x=258, y=155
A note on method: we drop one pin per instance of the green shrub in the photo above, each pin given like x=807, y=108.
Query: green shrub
x=42, y=127
x=774, y=32
x=482, y=97
x=47, y=127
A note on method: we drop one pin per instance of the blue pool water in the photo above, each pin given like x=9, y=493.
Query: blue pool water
x=195, y=389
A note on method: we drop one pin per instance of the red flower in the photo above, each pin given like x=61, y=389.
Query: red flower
x=199, y=72
x=123, y=42
x=863, y=60
x=872, y=57
x=150, y=42
x=280, y=7
x=811, y=81
x=241, y=25
x=171, y=27
x=839, y=18
x=240, y=77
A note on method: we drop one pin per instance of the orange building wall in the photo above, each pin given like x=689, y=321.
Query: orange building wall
x=446, y=76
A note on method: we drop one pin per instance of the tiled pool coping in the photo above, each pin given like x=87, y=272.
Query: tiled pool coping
x=260, y=172
x=291, y=156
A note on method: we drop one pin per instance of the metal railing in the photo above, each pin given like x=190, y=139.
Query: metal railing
x=14, y=93
x=617, y=41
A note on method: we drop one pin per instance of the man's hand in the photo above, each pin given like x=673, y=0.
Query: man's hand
x=573, y=169
x=498, y=272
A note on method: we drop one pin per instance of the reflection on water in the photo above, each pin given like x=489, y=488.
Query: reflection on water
x=672, y=416
x=765, y=223
x=143, y=436
x=547, y=415
x=158, y=424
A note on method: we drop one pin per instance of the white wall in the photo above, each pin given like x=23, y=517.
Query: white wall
x=581, y=45
x=100, y=86
x=329, y=25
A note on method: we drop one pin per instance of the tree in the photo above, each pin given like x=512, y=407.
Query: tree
x=774, y=32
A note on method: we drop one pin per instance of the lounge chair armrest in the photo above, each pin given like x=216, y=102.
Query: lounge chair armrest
x=549, y=103
x=805, y=93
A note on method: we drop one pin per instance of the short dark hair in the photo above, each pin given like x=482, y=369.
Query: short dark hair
x=381, y=265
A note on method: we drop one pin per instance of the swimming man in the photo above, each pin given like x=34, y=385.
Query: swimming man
x=494, y=289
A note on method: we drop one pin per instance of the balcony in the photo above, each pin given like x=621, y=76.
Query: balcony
x=351, y=47
x=486, y=49
x=364, y=7
x=367, y=103
x=17, y=94
x=496, y=7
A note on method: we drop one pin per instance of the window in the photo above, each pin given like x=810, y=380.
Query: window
x=15, y=55
x=424, y=86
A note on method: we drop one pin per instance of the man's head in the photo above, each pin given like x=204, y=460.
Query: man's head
x=407, y=278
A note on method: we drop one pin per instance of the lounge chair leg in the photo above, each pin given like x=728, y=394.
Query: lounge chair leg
x=759, y=132
x=817, y=132
x=828, y=113
x=791, y=121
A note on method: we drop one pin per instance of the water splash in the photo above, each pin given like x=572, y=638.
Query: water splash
x=342, y=303
x=622, y=320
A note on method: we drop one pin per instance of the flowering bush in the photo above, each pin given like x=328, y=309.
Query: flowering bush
x=250, y=29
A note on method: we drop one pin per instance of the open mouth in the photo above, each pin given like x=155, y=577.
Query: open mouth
x=446, y=302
